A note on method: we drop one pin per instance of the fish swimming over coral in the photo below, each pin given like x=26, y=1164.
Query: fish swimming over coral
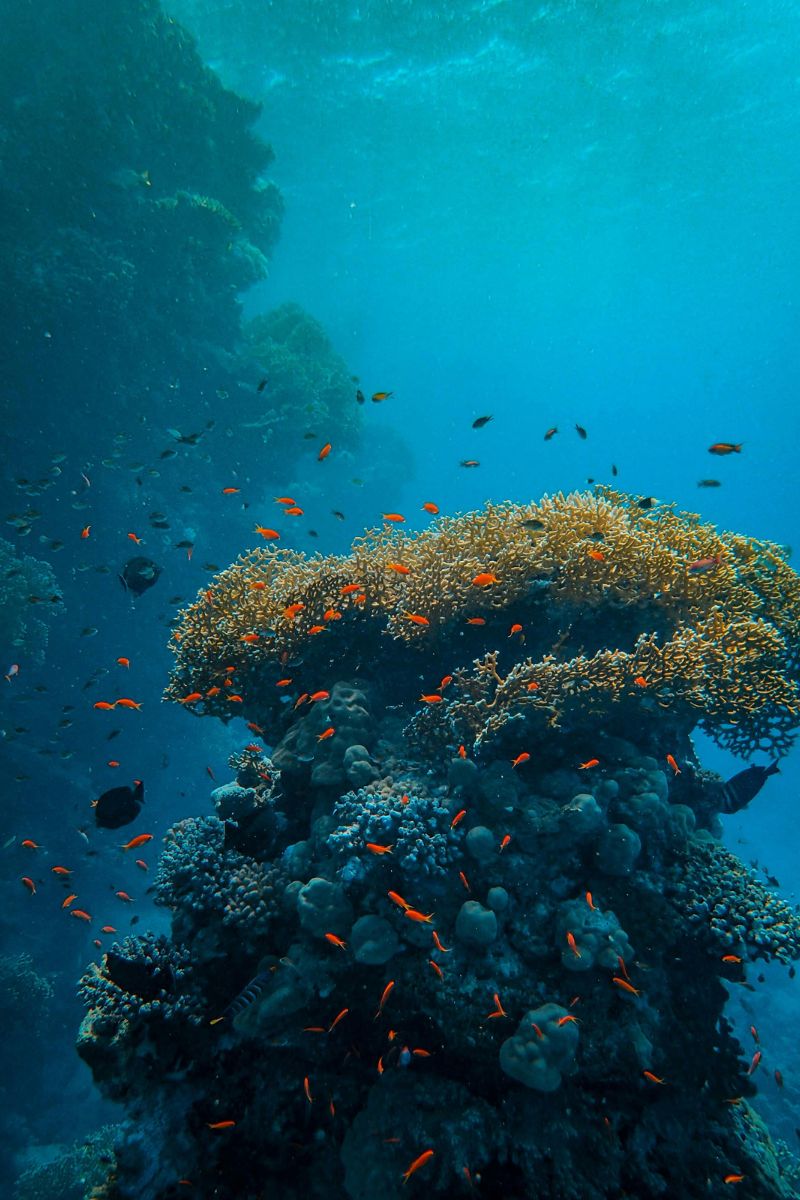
x=139, y=574
x=737, y=793
x=119, y=806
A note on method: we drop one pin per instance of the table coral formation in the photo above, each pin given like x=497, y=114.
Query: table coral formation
x=408, y=959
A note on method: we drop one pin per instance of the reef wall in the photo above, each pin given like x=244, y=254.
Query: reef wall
x=478, y=939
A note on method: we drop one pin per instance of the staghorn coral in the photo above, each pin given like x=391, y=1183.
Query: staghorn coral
x=718, y=647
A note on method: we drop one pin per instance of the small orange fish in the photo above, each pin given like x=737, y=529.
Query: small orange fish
x=592, y=762
x=515, y=628
x=326, y=733
x=640, y=681
x=437, y=970
x=230, y=491
x=125, y=702
x=250, y=638
x=80, y=914
x=141, y=864
x=458, y=818
x=398, y=568
x=269, y=535
x=625, y=986
x=385, y=994
x=375, y=848
x=63, y=871
x=726, y=448
x=416, y=618
x=464, y=881
x=283, y=683
x=418, y=1162
x=124, y=897
x=236, y=699
x=476, y=620
x=324, y=452
x=484, y=579
x=430, y=507
x=533, y=687
x=335, y=941
x=258, y=585
x=433, y=698
x=331, y=614
x=414, y=914
x=377, y=397
x=597, y=555
x=398, y=900
x=653, y=1078
x=623, y=970
x=437, y=943
x=291, y=611
x=565, y=1020
x=589, y=900
x=220, y=1124
x=86, y=531
x=192, y=698
x=537, y=1029
x=504, y=842
x=103, y=704
x=317, y=629
x=499, y=1011
x=446, y=681
x=340, y=1017
x=675, y=768
x=251, y=725
x=140, y=840
x=294, y=511
x=29, y=844
x=123, y=662
x=420, y=1053
x=573, y=944
x=213, y=691
x=134, y=538
x=108, y=929
x=754, y=1061
x=349, y=588
x=462, y=752
x=732, y=1178
x=731, y=958
x=285, y=500
x=65, y=903
x=551, y=433
x=520, y=759
x=395, y=518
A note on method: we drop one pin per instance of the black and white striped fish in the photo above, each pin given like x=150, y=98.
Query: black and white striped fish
x=737, y=793
x=245, y=998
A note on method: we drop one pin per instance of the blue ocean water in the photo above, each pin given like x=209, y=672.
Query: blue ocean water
x=556, y=215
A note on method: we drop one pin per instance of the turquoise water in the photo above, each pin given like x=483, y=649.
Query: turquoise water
x=556, y=215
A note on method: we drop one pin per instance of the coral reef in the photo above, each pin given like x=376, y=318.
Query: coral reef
x=74, y=1174
x=696, y=623
x=29, y=596
x=407, y=956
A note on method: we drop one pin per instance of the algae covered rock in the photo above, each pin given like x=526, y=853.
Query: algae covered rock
x=475, y=925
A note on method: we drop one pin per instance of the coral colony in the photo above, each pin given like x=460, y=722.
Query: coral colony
x=461, y=923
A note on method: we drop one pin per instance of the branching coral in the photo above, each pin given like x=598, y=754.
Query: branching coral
x=29, y=595
x=668, y=614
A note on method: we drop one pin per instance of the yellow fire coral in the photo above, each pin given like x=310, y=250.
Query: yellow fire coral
x=620, y=604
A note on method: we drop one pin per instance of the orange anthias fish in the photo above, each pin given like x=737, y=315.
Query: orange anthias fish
x=398, y=568
x=702, y=566
x=65, y=903
x=140, y=840
x=484, y=579
x=416, y=618
x=103, y=704
x=220, y=1124
x=29, y=884
x=499, y=1011
x=592, y=762
x=86, y=531
x=476, y=620
x=294, y=511
x=267, y=534
x=377, y=397
x=230, y=491
x=413, y=914
x=321, y=695
x=376, y=848
x=418, y=1162
x=396, y=518
x=29, y=844
x=134, y=538
x=573, y=944
x=624, y=985
x=326, y=733
x=640, y=681
x=335, y=941
x=653, y=1078
x=675, y=768
x=458, y=818
x=722, y=448
x=430, y=507
x=123, y=662
x=324, y=452
x=397, y=899
x=63, y=871
x=291, y=610
x=431, y=698
x=387, y=991
x=520, y=759
x=733, y=1179
x=125, y=702
x=597, y=555
x=80, y=914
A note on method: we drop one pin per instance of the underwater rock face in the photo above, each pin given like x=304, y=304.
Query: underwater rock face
x=542, y=1049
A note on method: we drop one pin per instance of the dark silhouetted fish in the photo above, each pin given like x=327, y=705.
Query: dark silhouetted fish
x=247, y=995
x=479, y=422
x=119, y=806
x=139, y=574
x=737, y=793
x=142, y=979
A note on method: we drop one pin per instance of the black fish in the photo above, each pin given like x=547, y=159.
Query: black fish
x=470, y=462
x=142, y=979
x=479, y=422
x=360, y=397
x=708, y=483
x=581, y=432
x=119, y=806
x=339, y=515
x=646, y=502
x=742, y=788
x=139, y=574
x=261, y=385
x=614, y=470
